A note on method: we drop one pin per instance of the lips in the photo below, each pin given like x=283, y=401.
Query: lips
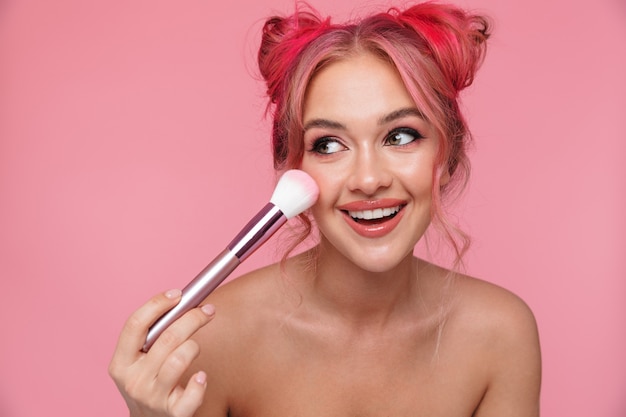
x=374, y=218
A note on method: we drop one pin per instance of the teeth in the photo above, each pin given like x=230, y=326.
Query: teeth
x=374, y=214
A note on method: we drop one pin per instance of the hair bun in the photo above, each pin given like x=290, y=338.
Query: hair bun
x=455, y=38
x=282, y=40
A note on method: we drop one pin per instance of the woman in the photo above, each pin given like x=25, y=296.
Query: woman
x=357, y=325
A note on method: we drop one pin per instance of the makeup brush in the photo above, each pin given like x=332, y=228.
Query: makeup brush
x=295, y=192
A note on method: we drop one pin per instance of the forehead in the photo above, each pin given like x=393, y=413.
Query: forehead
x=356, y=87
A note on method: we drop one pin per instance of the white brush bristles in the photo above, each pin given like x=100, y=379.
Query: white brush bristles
x=295, y=192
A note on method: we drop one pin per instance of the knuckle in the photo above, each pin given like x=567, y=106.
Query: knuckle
x=114, y=372
x=177, y=362
x=198, y=319
x=179, y=332
x=190, y=349
x=193, y=347
x=134, y=323
x=170, y=339
x=180, y=359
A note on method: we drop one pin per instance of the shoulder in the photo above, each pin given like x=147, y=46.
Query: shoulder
x=250, y=308
x=477, y=306
x=260, y=293
x=500, y=330
x=247, y=290
x=245, y=317
x=242, y=306
x=496, y=313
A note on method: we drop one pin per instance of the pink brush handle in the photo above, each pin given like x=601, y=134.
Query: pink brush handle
x=252, y=236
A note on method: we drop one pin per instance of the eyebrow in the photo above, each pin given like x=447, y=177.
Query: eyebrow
x=394, y=115
x=399, y=114
x=323, y=123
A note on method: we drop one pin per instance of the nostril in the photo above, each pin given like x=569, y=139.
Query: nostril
x=370, y=183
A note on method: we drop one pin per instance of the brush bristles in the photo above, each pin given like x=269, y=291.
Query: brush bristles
x=295, y=192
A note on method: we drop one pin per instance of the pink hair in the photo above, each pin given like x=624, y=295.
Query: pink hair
x=436, y=48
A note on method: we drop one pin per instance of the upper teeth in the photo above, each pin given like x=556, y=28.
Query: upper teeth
x=374, y=214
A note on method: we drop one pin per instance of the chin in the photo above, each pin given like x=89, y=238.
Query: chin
x=381, y=263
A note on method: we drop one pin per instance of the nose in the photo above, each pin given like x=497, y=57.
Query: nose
x=369, y=172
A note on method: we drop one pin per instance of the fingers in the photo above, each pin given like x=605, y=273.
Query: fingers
x=135, y=330
x=174, y=366
x=177, y=333
x=191, y=398
x=152, y=381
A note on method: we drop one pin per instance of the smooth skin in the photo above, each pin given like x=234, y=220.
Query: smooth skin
x=357, y=326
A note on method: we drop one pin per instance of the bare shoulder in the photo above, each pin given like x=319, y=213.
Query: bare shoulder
x=500, y=330
x=243, y=307
x=245, y=316
x=498, y=311
x=476, y=306
x=253, y=287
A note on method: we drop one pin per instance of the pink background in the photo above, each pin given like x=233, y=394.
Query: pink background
x=132, y=149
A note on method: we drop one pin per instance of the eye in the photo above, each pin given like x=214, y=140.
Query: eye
x=327, y=146
x=402, y=136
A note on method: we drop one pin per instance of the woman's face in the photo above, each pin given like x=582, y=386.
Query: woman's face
x=372, y=155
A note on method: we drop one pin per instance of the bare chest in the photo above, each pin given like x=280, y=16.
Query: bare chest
x=379, y=381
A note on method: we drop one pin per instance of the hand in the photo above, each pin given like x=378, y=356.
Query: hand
x=150, y=382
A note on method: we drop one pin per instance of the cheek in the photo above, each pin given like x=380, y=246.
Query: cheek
x=417, y=175
x=326, y=176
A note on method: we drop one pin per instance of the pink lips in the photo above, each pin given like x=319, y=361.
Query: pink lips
x=373, y=228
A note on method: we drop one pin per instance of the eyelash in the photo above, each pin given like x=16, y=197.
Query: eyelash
x=403, y=130
x=318, y=143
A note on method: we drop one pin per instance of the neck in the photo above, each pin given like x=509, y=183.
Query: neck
x=359, y=297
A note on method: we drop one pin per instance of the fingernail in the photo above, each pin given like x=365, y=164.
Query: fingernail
x=208, y=309
x=171, y=294
x=201, y=378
